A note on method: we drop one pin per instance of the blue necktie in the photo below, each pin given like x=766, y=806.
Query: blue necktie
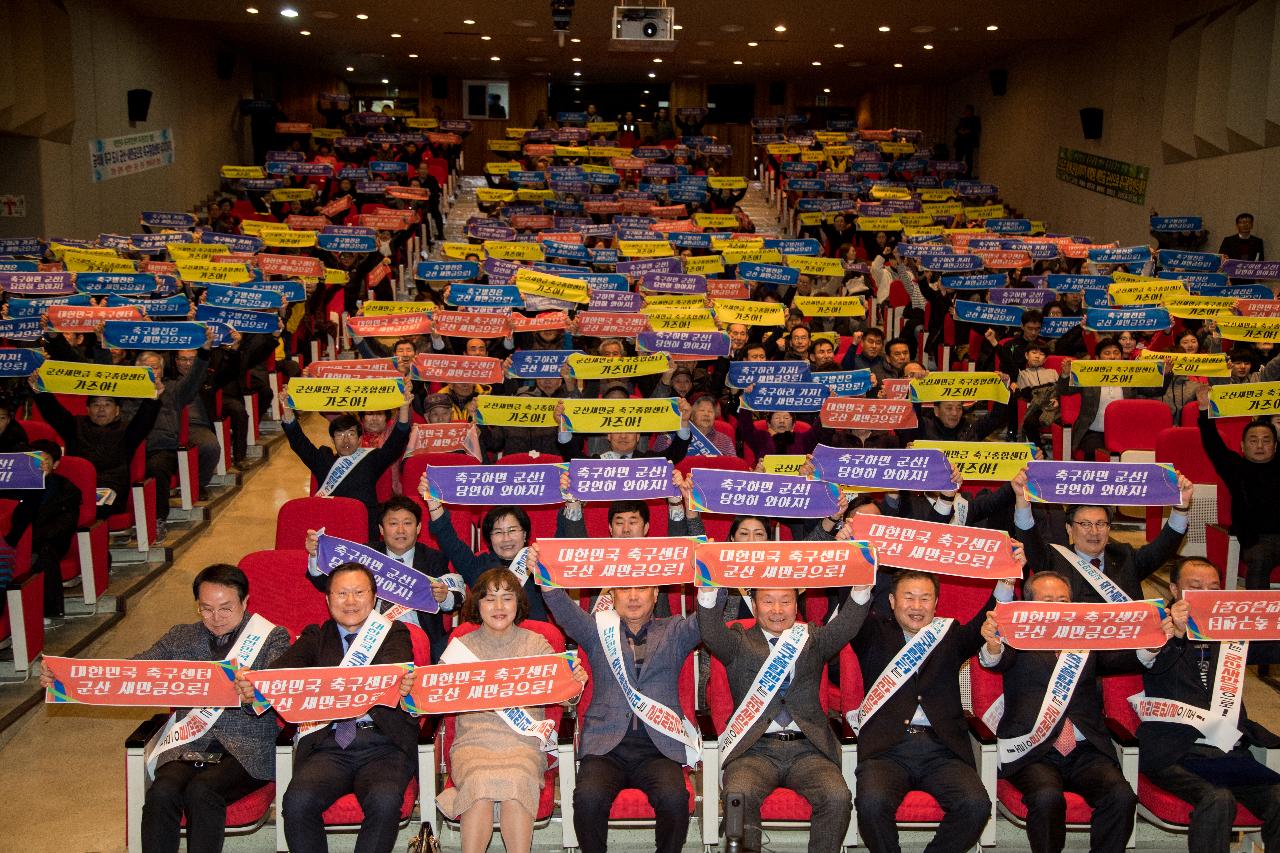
x=344, y=731
x=782, y=718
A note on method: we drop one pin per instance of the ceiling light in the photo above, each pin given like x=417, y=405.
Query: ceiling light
x=826, y=91
x=991, y=28
x=385, y=81
x=737, y=62
x=251, y=10
x=486, y=38
x=897, y=65
x=577, y=59
x=413, y=56
x=677, y=26
x=816, y=62
x=657, y=59
x=351, y=68
x=781, y=28
x=753, y=44
x=577, y=74
x=495, y=59
x=884, y=29
x=288, y=12
x=838, y=45
x=646, y=91
x=651, y=74
x=928, y=47
x=576, y=40
x=362, y=17
x=304, y=32
x=469, y=22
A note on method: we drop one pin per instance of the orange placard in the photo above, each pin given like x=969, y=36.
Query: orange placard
x=607, y=324
x=431, y=367
x=76, y=318
x=489, y=685
x=726, y=288
x=999, y=260
x=445, y=438
x=606, y=563
x=290, y=265
x=785, y=565
x=546, y=321
x=142, y=683
x=945, y=549
x=867, y=413
x=368, y=367
x=1258, y=307
x=895, y=389
x=1223, y=615
x=1051, y=626
x=317, y=694
x=390, y=325
x=464, y=324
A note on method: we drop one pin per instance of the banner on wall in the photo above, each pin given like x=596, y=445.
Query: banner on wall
x=128, y=155
x=1115, y=178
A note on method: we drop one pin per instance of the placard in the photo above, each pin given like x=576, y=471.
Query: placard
x=1248, y=399
x=494, y=410
x=395, y=582
x=76, y=318
x=988, y=461
x=431, y=367
x=746, y=373
x=947, y=549
x=390, y=325
x=1055, y=626
x=19, y=363
x=730, y=311
x=66, y=377
x=609, y=324
x=867, y=413
x=621, y=479
x=1255, y=330
x=910, y=470
x=1213, y=364
x=769, y=495
x=692, y=346
x=445, y=438
x=1103, y=483
x=493, y=685
x=784, y=565
x=831, y=306
x=490, y=485
x=146, y=335
x=317, y=694
x=534, y=283
x=609, y=563
x=844, y=383
x=468, y=324
x=306, y=394
x=1225, y=615
x=629, y=415
x=583, y=366
x=21, y=470
x=791, y=397
x=1136, y=373
x=141, y=683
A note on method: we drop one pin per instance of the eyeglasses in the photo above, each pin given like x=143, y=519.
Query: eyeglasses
x=225, y=610
x=1092, y=525
x=507, y=531
x=356, y=595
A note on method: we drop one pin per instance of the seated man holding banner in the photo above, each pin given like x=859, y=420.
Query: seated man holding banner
x=349, y=470
x=402, y=595
x=1195, y=735
x=207, y=758
x=625, y=445
x=778, y=734
x=374, y=755
x=1074, y=753
x=632, y=735
x=912, y=733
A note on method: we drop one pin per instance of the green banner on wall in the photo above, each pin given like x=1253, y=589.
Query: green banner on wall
x=1115, y=178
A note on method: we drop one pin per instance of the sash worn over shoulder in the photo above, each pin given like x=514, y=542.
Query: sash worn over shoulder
x=361, y=652
x=1104, y=585
x=1219, y=723
x=652, y=713
x=780, y=663
x=520, y=720
x=1062, y=685
x=899, y=670
x=193, y=724
x=341, y=468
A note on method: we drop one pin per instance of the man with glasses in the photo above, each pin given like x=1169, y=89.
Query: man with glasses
x=1097, y=567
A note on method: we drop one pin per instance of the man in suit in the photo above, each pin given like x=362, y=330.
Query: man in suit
x=1242, y=245
x=916, y=737
x=373, y=756
x=789, y=743
x=1075, y=755
x=1090, y=528
x=1211, y=768
x=399, y=523
x=1087, y=434
x=235, y=755
x=617, y=748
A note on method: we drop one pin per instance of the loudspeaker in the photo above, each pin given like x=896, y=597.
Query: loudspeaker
x=139, y=104
x=1091, y=122
x=225, y=62
x=777, y=93
x=999, y=81
x=439, y=87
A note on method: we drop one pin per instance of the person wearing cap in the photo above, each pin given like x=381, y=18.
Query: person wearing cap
x=439, y=409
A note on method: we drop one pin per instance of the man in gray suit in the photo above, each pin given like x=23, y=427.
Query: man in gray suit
x=234, y=755
x=619, y=750
x=790, y=743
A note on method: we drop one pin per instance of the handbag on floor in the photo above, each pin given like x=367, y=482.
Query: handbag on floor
x=425, y=841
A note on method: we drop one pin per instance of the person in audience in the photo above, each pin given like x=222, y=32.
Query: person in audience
x=1076, y=754
x=348, y=470
x=373, y=756
x=52, y=514
x=199, y=427
x=1242, y=245
x=12, y=435
x=1088, y=433
x=702, y=414
x=196, y=779
x=868, y=355
x=490, y=763
x=624, y=445
x=1206, y=760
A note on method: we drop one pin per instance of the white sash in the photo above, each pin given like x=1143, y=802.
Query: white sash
x=780, y=663
x=604, y=603
x=520, y=565
x=1062, y=686
x=1219, y=723
x=520, y=720
x=960, y=510
x=343, y=466
x=652, y=713
x=193, y=725
x=360, y=653
x=901, y=668
x=450, y=579
x=1104, y=585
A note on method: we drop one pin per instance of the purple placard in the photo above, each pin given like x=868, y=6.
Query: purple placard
x=37, y=283
x=1263, y=270
x=951, y=263
x=672, y=266
x=495, y=484
x=1027, y=297
x=621, y=479
x=909, y=470
x=674, y=283
x=396, y=582
x=772, y=495
x=701, y=344
x=500, y=271
x=1103, y=483
x=21, y=471
x=616, y=301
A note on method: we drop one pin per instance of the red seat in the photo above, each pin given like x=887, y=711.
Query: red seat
x=88, y=556
x=140, y=511
x=542, y=519
x=1134, y=424
x=463, y=517
x=1068, y=412
x=23, y=619
x=346, y=518
x=281, y=591
x=716, y=525
x=41, y=431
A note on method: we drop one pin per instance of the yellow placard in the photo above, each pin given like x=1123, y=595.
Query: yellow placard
x=486, y=195
x=686, y=301
x=196, y=251
x=603, y=127
x=60, y=249
x=931, y=231
x=986, y=211
x=502, y=167
x=834, y=151
x=512, y=251
x=571, y=151
x=518, y=132
x=509, y=146
x=827, y=137
x=1257, y=330
x=943, y=208
x=726, y=182
x=73, y=377
x=831, y=306
x=941, y=386
x=703, y=264
x=897, y=148
x=422, y=123
x=782, y=149
x=980, y=232
x=879, y=223
x=313, y=394
x=780, y=463
x=990, y=461
x=596, y=168
x=809, y=265
x=1145, y=292
x=281, y=239
x=609, y=151
x=936, y=195
x=515, y=411
x=213, y=272
x=534, y=283
x=327, y=132
x=332, y=276
x=1193, y=364
x=1198, y=307
x=1139, y=373
x=661, y=414
x=383, y=307
x=755, y=256
x=78, y=260
x=809, y=218
x=604, y=367
x=716, y=220
x=237, y=172
x=750, y=313
x=750, y=243
x=293, y=194
x=525, y=194
x=679, y=320
x=915, y=220
x=1248, y=399
x=460, y=251
x=645, y=248
x=397, y=113
x=813, y=156
x=898, y=193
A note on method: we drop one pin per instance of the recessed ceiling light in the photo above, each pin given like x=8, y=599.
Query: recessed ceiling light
x=413, y=56
x=651, y=74
x=838, y=45
x=928, y=47
x=251, y=10
x=897, y=65
x=657, y=59
x=486, y=38
x=677, y=26
x=362, y=17
x=816, y=62
x=884, y=29
x=385, y=81
x=753, y=44
x=576, y=40
x=495, y=59
x=577, y=74
x=737, y=62
x=395, y=35
x=289, y=12
x=826, y=91
x=577, y=59
x=781, y=28
x=646, y=91
x=469, y=22
x=991, y=28
x=304, y=32
x=921, y=29
x=351, y=68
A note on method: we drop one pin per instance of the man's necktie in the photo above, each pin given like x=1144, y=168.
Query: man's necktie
x=1096, y=563
x=1066, y=740
x=344, y=731
x=782, y=718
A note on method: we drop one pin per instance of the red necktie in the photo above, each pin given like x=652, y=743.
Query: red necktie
x=1066, y=740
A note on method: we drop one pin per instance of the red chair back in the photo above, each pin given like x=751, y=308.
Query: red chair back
x=596, y=517
x=719, y=463
x=280, y=590
x=41, y=431
x=529, y=459
x=962, y=598
x=1069, y=408
x=343, y=517
x=82, y=473
x=1134, y=424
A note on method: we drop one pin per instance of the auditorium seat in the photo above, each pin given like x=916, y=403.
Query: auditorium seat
x=346, y=518
x=140, y=512
x=23, y=619
x=89, y=555
x=1131, y=429
x=463, y=516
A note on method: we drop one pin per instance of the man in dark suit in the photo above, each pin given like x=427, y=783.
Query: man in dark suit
x=373, y=756
x=1211, y=768
x=1087, y=433
x=789, y=743
x=916, y=737
x=1075, y=755
x=1090, y=529
x=1242, y=245
x=399, y=523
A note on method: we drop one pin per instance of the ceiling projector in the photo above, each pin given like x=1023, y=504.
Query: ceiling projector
x=643, y=28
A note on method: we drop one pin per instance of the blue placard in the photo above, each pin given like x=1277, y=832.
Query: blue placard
x=235, y=242
x=173, y=306
x=1173, y=224
x=19, y=266
x=975, y=282
x=986, y=314
x=1056, y=327
x=244, y=322
x=388, y=167
x=644, y=266
x=768, y=273
x=538, y=364
x=1174, y=259
x=346, y=243
x=20, y=309
x=20, y=329
x=1116, y=320
x=807, y=247
x=1027, y=297
x=20, y=246
x=1195, y=280
x=845, y=383
x=247, y=298
x=292, y=291
x=473, y=295
x=604, y=257
x=744, y=373
x=951, y=263
x=690, y=241
x=1237, y=291
x=789, y=397
x=1009, y=226
x=568, y=251
x=661, y=282
x=1121, y=255
x=131, y=334
x=167, y=219
x=701, y=445
x=19, y=362
x=446, y=270
x=99, y=283
x=910, y=470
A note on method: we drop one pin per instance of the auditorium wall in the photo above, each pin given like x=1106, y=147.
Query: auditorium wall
x=1192, y=91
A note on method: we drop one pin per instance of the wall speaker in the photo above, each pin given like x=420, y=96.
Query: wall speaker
x=999, y=81
x=225, y=62
x=777, y=93
x=1091, y=122
x=139, y=104
x=439, y=87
